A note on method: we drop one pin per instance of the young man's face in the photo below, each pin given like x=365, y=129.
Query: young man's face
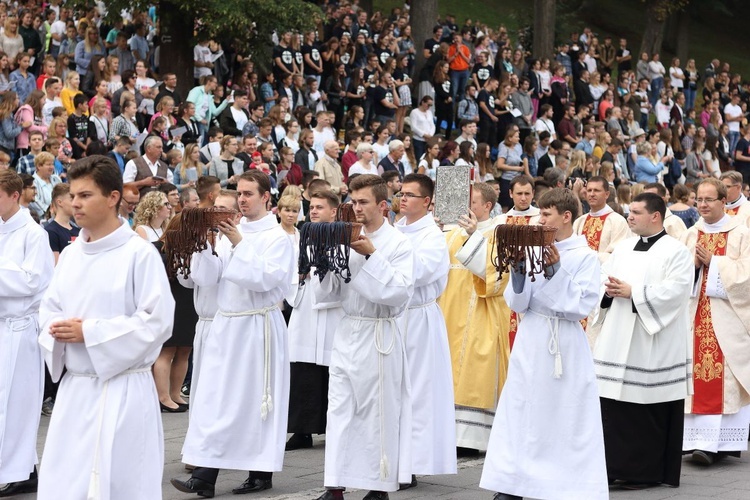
x=8, y=204
x=366, y=209
x=321, y=211
x=522, y=196
x=91, y=207
x=36, y=142
x=551, y=217
x=252, y=203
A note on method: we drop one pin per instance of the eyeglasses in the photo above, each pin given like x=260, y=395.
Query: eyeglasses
x=707, y=201
x=167, y=204
x=411, y=195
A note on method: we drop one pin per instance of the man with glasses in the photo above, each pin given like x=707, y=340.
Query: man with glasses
x=433, y=438
x=717, y=416
x=737, y=204
x=130, y=198
x=169, y=89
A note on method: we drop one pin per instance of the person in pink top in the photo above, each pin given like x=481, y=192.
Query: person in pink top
x=30, y=117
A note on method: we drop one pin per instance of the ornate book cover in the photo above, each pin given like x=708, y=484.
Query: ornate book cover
x=452, y=192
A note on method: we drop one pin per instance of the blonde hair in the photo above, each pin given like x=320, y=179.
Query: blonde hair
x=292, y=191
x=636, y=189
x=42, y=158
x=187, y=162
x=52, y=133
x=289, y=202
x=577, y=160
x=147, y=209
x=69, y=78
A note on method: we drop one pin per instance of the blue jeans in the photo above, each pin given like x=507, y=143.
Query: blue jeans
x=690, y=98
x=459, y=79
x=656, y=85
x=734, y=138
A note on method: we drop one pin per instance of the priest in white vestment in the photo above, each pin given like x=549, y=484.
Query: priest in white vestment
x=240, y=410
x=26, y=265
x=643, y=363
x=717, y=415
x=546, y=441
x=368, y=436
x=737, y=204
x=433, y=446
x=104, y=319
x=311, y=330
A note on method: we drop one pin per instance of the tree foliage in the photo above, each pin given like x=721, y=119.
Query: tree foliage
x=249, y=22
x=662, y=9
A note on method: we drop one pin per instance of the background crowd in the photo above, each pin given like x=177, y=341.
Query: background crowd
x=346, y=99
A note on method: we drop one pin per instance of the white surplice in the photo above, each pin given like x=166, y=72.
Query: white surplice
x=105, y=439
x=645, y=357
x=206, y=305
x=26, y=265
x=547, y=439
x=368, y=433
x=239, y=415
x=433, y=445
x=312, y=325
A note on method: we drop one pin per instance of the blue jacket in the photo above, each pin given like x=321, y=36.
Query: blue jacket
x=9, y=130
x=645, y=170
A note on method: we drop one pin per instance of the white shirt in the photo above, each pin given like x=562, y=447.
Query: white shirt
x=422, y=123
x=545, y=124
x=676, y=75
x=358, y=168
x=240, y=119
x=655, y=70
x=57, y=28
x=732, y=111
x=131, y=171
x=201, y=54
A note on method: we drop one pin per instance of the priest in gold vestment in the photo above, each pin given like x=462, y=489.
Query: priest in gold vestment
x=476, y=317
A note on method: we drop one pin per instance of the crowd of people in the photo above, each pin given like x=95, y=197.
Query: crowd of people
x=628, y=349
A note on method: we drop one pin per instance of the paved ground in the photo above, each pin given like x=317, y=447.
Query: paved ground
x=302, y=477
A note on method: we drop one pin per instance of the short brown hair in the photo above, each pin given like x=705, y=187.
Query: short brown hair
x=103, y=170
x=487, y=192
x=11, y=182
x=59, y=190
x=562, y=200
x=264, y=183
x=721, y=189
x=374, y=182
x=328, y=195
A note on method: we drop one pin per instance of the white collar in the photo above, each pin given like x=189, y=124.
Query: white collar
x=606, y=210
x=738, y=202
x=716, y=226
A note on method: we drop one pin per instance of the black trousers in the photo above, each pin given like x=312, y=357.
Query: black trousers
x=308, y=398
x=209, y=474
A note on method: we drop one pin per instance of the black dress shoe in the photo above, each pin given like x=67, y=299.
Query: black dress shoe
x=505, y=496
x=194, y=485
x=332, y=494
x=253, y=484
x=703, y=457
x=462, y=452
x=632, y=485
x=28, y=486
x=406, y=486
x=183, y=406
x=167, y=409
x=299, y=441
x=376, y=495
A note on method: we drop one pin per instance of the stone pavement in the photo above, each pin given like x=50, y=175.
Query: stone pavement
x=302, y=477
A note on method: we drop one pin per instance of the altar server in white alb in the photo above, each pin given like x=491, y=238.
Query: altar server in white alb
x=104, y=318
x=718, y=415
x=433, y=445
x=204, y=298
x=546, y=441
x=642, y=355
x=26, y=264
x=240, y=409
x=311, y=331
x=368, y=434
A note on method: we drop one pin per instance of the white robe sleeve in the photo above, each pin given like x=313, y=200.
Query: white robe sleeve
x=386, y=281
x=50, y=311
x=473, y=254
x=205, y=267
x=260, y=272
x=714, y=286
x=431, y=262
x=34, y=273
x=117, y=344
x=574, y=289
x=329, y=290
x=659, y=304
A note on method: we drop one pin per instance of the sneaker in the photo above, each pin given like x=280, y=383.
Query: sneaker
x=185, y=391
x=47, y=407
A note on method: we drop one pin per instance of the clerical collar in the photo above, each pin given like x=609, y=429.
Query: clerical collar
x=607, y=209
x=17, y=221
x=481, y=226
x=646, y=242
x=115, y=239
x=529, y=211
x=716, y=226
x=738, y=202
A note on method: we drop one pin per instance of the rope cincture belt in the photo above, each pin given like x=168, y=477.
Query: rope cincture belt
x=553, y=323
x=94, y=492
x=384, y=472
x=266, y=404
